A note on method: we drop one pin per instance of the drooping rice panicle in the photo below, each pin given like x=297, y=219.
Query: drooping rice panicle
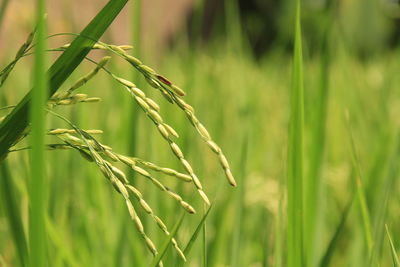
x=160, y=82
x=121, y=188
x=112, y=175
x=120, y=182
x=79, y=144
x=155, y=116
x=131, y=162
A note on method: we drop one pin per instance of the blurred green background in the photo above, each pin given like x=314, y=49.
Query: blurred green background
x=234, y=60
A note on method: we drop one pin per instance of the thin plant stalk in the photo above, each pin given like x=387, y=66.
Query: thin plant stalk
x=295, y=156
x=314, y=182
x=134, y=110
x=37, y=187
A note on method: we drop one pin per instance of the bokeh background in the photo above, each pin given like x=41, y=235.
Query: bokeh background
x=234, y=60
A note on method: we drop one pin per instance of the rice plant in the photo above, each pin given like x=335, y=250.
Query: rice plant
x=89, y=147
x=196, y=133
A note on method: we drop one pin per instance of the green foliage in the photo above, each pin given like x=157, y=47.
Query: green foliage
x=342, y=178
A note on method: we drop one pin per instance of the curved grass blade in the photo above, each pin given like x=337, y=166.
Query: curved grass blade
x=334, y=242
x=395, y=258
x=193, y=238
x=237, y=242
x=204, y=241
x=167, y=243
x=362, y=201
x=13, y=213
x=16, y=122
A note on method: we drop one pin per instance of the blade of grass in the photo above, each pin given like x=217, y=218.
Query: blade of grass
x=334, y=242
x=382, y=194
x=13, y=213
x=317, y=135
x=217, y=248
x=133, y=110
x=37, y=187
x=395, y=258
x=295, y=156
x=279, y=254
x=16, y=122
x=58, y=240
x=236, y=259
x=360, y=191
x=167, y=243
x=193, y=238
x=204, y=240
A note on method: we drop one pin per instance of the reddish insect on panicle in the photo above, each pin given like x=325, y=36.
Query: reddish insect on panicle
x=164, y=80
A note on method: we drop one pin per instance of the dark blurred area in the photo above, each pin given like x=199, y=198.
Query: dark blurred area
x=365, y=26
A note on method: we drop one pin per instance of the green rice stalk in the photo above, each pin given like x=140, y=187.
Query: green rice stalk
x=37, y=182
x=295, y=229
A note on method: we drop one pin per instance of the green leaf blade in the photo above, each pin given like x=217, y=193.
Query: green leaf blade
x=295, y=156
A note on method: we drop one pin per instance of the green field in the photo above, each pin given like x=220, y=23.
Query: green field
x=311, y=134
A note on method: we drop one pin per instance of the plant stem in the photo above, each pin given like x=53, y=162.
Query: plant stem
x=37, y=195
